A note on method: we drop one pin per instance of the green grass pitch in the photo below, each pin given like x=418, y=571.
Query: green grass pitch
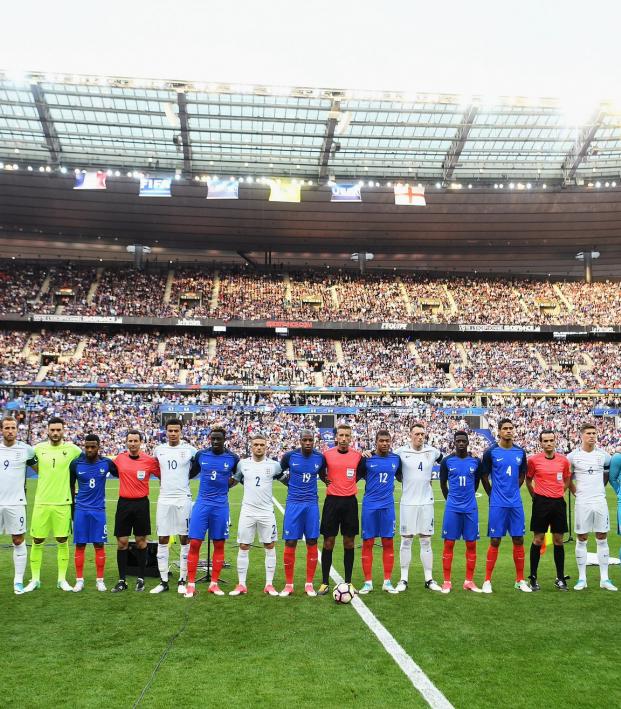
x=507, y=649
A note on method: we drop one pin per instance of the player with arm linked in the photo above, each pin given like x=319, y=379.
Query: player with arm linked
x=503, y=469
x=416, y=509
x=547, y=479
x=615, y=483
x=216, y=466
x=305, y=466
x=52, y=505
x=174, y=504
x=589, y=470
x=378, y=508
x=133, y=511
x=460, y=474
x=257, y=475
x=15, y=457
x=90, y=471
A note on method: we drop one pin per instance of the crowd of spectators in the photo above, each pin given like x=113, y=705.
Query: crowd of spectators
x=247, y=295
x=128, y=291
x=191, y=292
x=68, y=286
x=314, y=349
x=19, y=285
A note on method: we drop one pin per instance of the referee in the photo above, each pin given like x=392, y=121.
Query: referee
x=547, y=479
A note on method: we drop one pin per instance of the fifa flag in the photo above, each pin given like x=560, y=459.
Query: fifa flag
x=85, y=180
x=410, y=196
x=346, y=192
x=222, y=189
x=155, y=186
x=284, y=190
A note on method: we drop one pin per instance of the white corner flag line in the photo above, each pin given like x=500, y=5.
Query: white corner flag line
x=432, y=695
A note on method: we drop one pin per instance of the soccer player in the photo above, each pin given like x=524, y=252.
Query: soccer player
x=174, y=504
x=133, y=514
x=90, y=471
x=503, y=469
x=216, y=466
x=257, y=475
x=416, y=511
x=340, y=509
x=589, y=470
x=615, y=482
x=547, y=478
x=305, y=466
x=52, y=504
x=15, y=457
x=460, y=474
x=378, y=508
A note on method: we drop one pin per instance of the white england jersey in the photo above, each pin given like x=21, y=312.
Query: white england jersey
x=417, y=467
x=13, y=461
x=258, y=481
x=175, y=463
x=587, y=468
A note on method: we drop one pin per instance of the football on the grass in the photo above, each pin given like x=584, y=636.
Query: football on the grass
x=343, y=593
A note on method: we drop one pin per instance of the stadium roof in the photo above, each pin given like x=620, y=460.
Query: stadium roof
x=202, y=128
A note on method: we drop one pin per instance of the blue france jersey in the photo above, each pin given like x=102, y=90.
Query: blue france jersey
x=303, y=473
x=91, y=479
x=462, y=476
x=504, y=466
x=379, y=472
x=215, y=471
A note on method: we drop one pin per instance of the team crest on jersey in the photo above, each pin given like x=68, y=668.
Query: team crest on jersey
x=472, y=469
x=102, y=470
x=140, y=474
x=226, y=466
x=394, y=466
x=316, y=466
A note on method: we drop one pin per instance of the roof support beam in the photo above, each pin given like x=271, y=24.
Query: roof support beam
x=47, y=124
x=182, y=103
x=328, y=139
x=452, y=154
x=247, y=259
x=579, y=150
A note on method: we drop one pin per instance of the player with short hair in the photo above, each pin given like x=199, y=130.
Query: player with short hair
x=589, y=470
x=304, y=465
x=15, y=457
x=216, y=466
x=90, y=471
x=615, y=483
x=547, y=479
x=460, y=474
x=133, y=512
x=379, y=471
x=257, y=475
x=416, y=510
x=52, y=505
x=174, y=504
x=340, y=509
x=503, y=469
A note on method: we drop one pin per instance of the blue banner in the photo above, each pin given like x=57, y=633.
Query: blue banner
x=346, y=192
x=155, y=186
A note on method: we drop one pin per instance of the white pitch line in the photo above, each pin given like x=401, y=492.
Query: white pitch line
x=430, y=693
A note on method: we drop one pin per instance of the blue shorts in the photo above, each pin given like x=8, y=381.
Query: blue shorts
x=209, y=516
x=301, y=520
x=89, y=527
x=378, y=522
x=506, y=519
x=461, y=525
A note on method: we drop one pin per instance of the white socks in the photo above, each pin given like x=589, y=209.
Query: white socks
x=405, y=557
x=603, y=556
x=581, y=559
x=183, y=561
x=162, y=561
x=270, y=566
x=242, y=565
x=426, y=557
x=19, y=560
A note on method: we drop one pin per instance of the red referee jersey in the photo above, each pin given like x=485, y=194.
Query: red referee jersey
x=549, y=474
x=341, y=472
x=134, y=474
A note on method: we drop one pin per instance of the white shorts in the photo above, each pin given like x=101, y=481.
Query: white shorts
x=251, y=524
x=592, y=517
x=416, y=519
x=173, y=518
x=13, y=519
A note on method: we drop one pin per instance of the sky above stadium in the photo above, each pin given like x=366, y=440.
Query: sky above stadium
x=557, y=48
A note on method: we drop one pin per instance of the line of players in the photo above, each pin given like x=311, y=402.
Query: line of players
x=63, y=467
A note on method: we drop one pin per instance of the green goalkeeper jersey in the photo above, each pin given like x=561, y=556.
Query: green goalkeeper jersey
x=54, y=461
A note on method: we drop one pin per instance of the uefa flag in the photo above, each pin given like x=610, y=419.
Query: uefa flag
x=155, y=186
x=346, y=192
x=410, y=196
x=90, y=180
x=284, y=190
x=222, y=189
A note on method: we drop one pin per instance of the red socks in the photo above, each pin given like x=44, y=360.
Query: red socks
x=289, y=564
x=79, y=562
x=518, y=558
x=388, y=557
x=471, y=559
x=312, y=556
x=100, y=560
x=218, y=560
x=367, y=558
x=195, y=548
x=447, y=558
x=492, y=556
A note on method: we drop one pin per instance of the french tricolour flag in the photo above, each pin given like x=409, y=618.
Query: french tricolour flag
x=90, y=180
